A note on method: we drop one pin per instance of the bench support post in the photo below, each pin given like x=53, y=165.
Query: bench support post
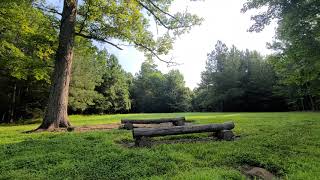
x=128, y=126
x=226, y=135
x=142, y=141
x=178, y=123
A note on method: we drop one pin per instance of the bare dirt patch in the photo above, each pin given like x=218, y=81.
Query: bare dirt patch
x=96, y=127
x=79, y=128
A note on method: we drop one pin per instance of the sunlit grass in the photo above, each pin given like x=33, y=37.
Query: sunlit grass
x=286, y=144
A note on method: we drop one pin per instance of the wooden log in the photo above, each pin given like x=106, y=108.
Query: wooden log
x=179, y=120
x=152, y=132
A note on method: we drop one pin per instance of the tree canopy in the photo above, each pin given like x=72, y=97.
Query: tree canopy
x=154, y=91
x=28, y=41
x=297, y=45
x=129, y=21
x=237, y=80
x=87, y=71
x=27, y=46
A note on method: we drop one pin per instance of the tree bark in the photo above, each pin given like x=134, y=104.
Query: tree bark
x=312, y=103
x=302, y=104
x=56, y=114
x=13, y=104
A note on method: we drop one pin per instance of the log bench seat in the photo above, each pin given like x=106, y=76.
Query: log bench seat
x=129, y=124
x=222, y=131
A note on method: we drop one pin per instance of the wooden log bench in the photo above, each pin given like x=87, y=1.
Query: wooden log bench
x=222, y=131
x=128, y=124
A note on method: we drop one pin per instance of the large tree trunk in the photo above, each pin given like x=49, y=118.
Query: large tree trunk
x=56, y=114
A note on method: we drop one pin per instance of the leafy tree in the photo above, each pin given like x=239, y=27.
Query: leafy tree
x=27, y=45
x=236, y=80
x=157, y=92
x=27, y=41
x=98, y=83
x=114, y=89
x=297, y=44
x=259, y=83
x=178, y=96
x=148, y=90
x=104, y=21
x=87, y=71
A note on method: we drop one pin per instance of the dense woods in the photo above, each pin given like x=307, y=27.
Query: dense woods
x=296, y=61
x=232, y=80
x=236, y=80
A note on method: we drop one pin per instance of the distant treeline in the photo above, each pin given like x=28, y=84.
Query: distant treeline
x=233, y=80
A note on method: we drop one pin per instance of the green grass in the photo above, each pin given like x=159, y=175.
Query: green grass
x=287, y=144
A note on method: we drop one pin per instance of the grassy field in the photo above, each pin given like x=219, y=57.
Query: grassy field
x=287, y=144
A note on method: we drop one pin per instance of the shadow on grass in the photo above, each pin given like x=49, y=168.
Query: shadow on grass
x=174, y=139
x=22, y=122
x=79, y=156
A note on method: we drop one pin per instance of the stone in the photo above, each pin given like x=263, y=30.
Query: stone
x=260, y=173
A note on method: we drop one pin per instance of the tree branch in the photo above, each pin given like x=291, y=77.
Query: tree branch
x=85, y=18
x=47, y=9
x=154, y=15
x=158, y=18
x=98, y=39
x=170, y=63
x=164, y=12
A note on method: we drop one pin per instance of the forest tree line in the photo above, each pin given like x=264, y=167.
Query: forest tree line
x=233, y=80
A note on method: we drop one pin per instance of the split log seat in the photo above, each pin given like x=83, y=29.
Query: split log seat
x=222, y=131
x=128, y=124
